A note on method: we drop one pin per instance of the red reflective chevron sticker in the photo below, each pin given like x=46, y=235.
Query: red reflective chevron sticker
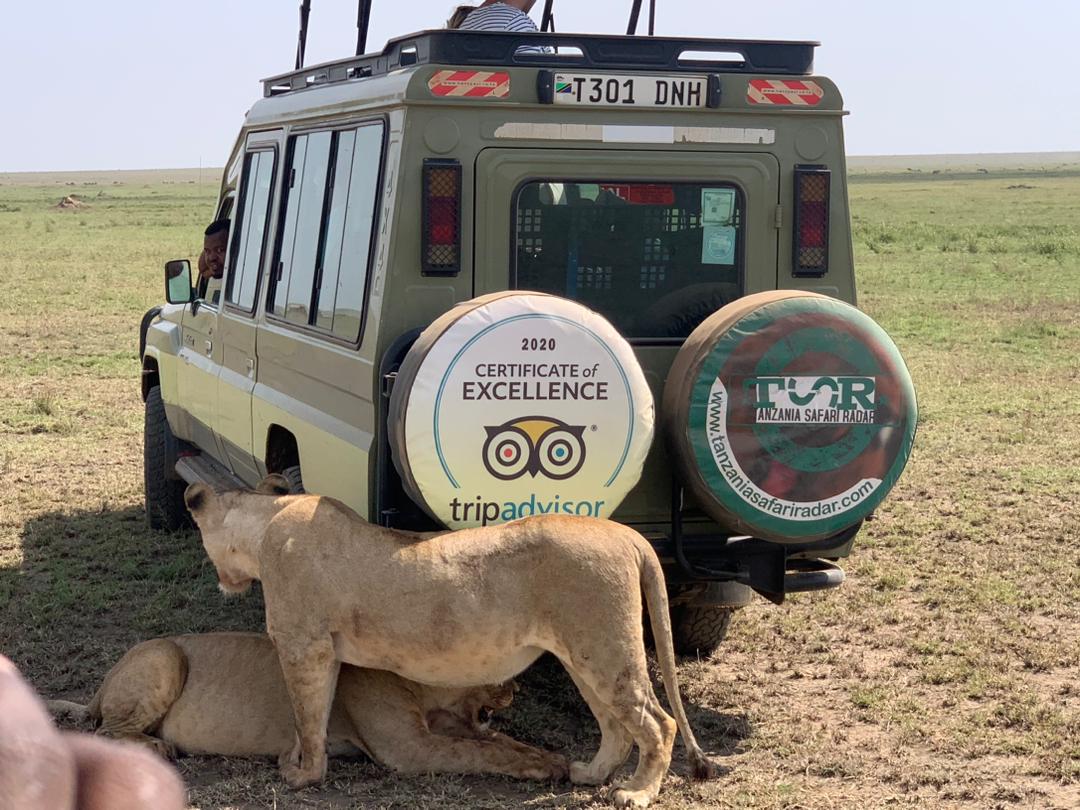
x=469, y=84
x=780, y=91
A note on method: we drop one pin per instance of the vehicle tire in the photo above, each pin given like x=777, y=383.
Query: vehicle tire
x=165, y=509
x=789, y=415
x=296, y=482
x=698, y=630
x=466, y=415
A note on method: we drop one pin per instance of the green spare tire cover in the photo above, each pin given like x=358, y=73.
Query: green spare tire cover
x=518, y=404
x=790, y=415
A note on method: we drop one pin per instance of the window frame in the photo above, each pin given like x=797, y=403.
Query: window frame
x=235, y=235
x=376, y=225
x=224, y=210
x=741, y=202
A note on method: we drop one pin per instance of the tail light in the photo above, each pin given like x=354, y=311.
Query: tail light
x=442, y=217
x=811, y=221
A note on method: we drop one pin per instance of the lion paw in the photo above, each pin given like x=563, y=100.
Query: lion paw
x=162, y=748
x=290, y=757
x=548, y=768
x=582, y=774
x=558, y=768
x=637, y=799
x=298, y=776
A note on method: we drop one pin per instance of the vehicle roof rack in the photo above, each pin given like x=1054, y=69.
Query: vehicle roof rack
x=500, y=49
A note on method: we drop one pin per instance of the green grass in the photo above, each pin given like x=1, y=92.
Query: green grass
x=943, y=674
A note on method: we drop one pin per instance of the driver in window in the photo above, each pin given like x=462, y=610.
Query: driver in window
x=212, y=259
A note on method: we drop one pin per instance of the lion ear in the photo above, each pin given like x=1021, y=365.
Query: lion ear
x=198, y=497
x=274, y=485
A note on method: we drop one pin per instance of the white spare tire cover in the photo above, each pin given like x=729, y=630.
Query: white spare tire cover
x=517, y=404
x=790, y=415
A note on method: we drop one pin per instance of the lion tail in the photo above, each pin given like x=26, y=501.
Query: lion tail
x=655, y=590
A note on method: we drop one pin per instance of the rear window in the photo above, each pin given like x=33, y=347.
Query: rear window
x=654, y=259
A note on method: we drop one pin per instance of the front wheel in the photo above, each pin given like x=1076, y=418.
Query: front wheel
x=698, y=630
x=165, y=509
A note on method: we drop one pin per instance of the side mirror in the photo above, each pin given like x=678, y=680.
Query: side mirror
x=178, y=281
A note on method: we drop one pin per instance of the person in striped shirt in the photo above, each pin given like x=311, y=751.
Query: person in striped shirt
x=497, y=15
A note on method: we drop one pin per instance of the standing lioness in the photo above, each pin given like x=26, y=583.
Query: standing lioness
x=457, y=609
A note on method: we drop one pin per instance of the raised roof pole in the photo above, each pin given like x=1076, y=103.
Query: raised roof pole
x=363, y=18
x=548, y=20
x=635, y=13
x=305, y=10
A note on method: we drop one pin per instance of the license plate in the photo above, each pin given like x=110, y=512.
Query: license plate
x=594, y=90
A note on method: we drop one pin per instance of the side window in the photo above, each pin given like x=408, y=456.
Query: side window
x=250, y=237
x=208, y=288
x=300, y=243
x=348, y=244
x=325, y=245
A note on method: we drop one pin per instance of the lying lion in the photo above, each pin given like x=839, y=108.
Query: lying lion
x=223, y=693
x=455, y=610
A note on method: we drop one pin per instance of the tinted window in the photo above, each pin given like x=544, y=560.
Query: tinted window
x=327, y=231
x=247, y=250
x=655, y=259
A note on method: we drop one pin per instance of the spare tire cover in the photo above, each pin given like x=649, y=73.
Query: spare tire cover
x=790, y=415
x=517, y=404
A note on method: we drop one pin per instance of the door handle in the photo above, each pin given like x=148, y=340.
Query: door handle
x=250, y=366
x=209, y=346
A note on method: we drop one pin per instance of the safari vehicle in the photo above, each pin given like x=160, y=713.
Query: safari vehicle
x=653, y=180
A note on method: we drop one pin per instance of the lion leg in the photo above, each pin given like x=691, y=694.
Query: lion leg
x=139, y=691
x=615, y=740
x=406, y=744
x=311, y=670
x=628, y=696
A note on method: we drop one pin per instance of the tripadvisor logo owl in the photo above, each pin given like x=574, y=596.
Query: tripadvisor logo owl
x=534, y=445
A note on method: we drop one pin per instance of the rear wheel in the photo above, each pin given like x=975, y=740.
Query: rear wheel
x=698, y=630
x=296, y=481
x=165, y=509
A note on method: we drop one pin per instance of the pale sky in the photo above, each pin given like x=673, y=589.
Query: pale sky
x=126, y=84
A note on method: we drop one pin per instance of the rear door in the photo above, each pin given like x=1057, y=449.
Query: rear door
x=237, y=328
x=655, y=240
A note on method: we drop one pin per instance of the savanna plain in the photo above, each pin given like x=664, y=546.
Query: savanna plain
x=944, y=674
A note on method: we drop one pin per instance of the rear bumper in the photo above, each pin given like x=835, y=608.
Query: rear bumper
x=772, y=569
